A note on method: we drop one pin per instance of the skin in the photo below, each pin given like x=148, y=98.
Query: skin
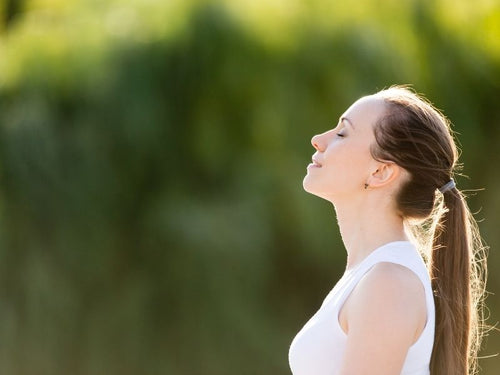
x=386, y=312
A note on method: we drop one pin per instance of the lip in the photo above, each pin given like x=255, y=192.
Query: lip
x=316, y=163
x=312, y=166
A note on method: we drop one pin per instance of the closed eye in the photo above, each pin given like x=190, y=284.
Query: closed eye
x=339, y=134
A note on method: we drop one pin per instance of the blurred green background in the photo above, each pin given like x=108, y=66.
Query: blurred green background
x=152, y=217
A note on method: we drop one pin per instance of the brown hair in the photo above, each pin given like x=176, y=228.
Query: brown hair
x=418, y=137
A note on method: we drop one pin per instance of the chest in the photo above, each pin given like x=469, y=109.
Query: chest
x=319, y=346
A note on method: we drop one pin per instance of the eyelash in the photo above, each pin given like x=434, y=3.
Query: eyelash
x=340, y=135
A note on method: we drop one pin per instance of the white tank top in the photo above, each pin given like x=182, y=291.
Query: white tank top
x=319, y=347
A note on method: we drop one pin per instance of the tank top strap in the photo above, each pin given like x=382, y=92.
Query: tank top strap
x=406, y=254
x=399, y=252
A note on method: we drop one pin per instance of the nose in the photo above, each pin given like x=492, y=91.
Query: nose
x=318, y=142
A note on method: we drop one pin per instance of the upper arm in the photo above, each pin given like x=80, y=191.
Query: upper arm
x=383, y=314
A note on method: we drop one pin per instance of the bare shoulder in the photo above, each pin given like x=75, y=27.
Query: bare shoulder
x=385, y=276
x=383, y=316
x=392, y=294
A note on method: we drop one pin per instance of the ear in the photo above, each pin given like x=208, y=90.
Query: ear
x=385, y=174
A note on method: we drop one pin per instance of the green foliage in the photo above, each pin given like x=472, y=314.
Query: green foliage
x=152, y=219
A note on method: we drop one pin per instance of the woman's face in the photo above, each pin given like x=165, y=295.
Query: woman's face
x=342, y=163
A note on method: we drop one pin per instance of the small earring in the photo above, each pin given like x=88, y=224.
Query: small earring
x=366, y=185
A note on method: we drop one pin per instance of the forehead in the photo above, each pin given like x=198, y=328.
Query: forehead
x=365, y=112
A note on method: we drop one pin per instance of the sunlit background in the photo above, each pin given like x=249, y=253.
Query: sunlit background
x=152, y=217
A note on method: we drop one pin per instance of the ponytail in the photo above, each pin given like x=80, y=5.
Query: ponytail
x=457, y=267
x=417, y=137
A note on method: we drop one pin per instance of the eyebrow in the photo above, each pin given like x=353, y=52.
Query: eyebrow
x=348, y=121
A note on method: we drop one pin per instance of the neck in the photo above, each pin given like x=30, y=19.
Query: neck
x=367, y=225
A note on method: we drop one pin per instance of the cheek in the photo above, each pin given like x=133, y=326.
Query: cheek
x=348, y=167
x=340, y=173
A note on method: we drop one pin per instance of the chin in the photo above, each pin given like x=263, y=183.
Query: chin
x=306, y=184
x=309, y=187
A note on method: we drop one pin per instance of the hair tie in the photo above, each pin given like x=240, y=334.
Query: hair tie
x=448, y=186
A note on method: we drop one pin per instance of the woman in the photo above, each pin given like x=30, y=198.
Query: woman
x=388, y=170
